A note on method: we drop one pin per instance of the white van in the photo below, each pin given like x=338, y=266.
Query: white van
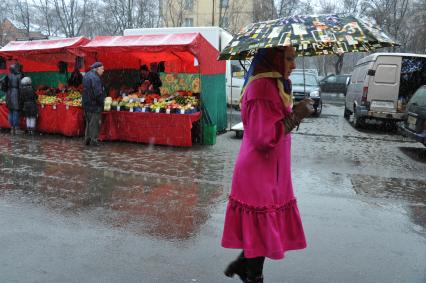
x=217, y=37
x=381, y=85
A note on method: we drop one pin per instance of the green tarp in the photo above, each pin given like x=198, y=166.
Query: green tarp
x=213, y=97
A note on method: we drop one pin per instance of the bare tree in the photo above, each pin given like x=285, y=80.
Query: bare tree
x=4, y=13
x=264, y=10
x=416, y=27
x=287, y=8
x=45, y=16
x=173, y=15
x=72, y=15
x=23, y=14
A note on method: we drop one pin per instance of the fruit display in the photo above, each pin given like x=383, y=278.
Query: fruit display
x=180, y=102
x=48, y=100
x=51, y=96
x=107, y=104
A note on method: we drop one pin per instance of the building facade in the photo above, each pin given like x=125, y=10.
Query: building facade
x=9, y=32
x=229, y=14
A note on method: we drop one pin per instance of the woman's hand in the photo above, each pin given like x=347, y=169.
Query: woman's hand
x=304, y=109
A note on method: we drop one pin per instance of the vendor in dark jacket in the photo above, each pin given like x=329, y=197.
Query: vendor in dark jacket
x=93, y=102
x=13, y=102
x=29, y=102
x=76, y=78
x=153, y=78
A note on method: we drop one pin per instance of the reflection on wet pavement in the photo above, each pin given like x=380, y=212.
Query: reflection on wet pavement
x=411, y=192
x=156, y=191
x=378, y=165
x=123, y=211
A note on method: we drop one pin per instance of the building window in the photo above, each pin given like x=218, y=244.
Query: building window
x=189, y=5
x=188, y=22
x=224, y=3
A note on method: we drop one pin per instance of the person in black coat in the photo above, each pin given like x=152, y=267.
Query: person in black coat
x=153, y=78
x=93, y=102
x=76, y=78
x=13, y=102
x=29, y=103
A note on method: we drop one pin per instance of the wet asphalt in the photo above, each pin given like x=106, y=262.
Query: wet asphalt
x=127, y=212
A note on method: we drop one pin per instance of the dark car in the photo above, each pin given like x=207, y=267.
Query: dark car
x=415, y=119
x=335, y=83
x=306, y=88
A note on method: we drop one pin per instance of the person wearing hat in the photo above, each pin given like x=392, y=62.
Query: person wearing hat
x=29, y=109
x=153, y=79
x=93, y=102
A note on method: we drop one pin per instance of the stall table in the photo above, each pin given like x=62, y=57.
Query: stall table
x=152, y=128
x=52, y=119
x=60, y=119
x=4, y=116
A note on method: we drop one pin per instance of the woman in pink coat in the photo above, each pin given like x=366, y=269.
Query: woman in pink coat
x=262, y=217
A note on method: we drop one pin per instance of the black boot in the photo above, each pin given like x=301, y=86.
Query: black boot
x=237, y=267
x=13, y=131
x=255, y=269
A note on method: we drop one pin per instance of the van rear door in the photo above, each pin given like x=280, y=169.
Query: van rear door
x=383, y=86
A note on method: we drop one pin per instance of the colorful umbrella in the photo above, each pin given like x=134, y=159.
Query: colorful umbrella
x=310, y=35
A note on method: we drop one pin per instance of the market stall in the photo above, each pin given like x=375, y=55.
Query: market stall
x=191, y=78
x=48, y=63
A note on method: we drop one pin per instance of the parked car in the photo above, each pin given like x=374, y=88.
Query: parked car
x=335, y=83
x=415, y=120
x=307, y=87
x=381, y=85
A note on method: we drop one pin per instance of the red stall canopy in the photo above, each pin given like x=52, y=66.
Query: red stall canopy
x=44, y=55
x=192, y=50
x=24, y=48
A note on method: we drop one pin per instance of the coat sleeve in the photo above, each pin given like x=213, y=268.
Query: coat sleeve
x=264, y=124
x=98, y=91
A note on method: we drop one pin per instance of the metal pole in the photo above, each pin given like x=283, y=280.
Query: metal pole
x=213, y=13
x=303, y=64
x=232, y=106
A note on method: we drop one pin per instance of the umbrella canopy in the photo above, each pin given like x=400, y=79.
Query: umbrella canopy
x=310, y=35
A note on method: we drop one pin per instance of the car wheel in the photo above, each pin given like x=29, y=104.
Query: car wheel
x=391, y=126
x=347, y=113
x=318, y=110
x=239, y=134
x=358, y=121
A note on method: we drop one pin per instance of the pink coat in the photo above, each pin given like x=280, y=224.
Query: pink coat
x=262, y=217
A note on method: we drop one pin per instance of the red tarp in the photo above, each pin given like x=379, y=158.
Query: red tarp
x=68, y=122
x=117, y=52
x=153, y=128
x=4, y=116
x=24, y=48
x=44, y=55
